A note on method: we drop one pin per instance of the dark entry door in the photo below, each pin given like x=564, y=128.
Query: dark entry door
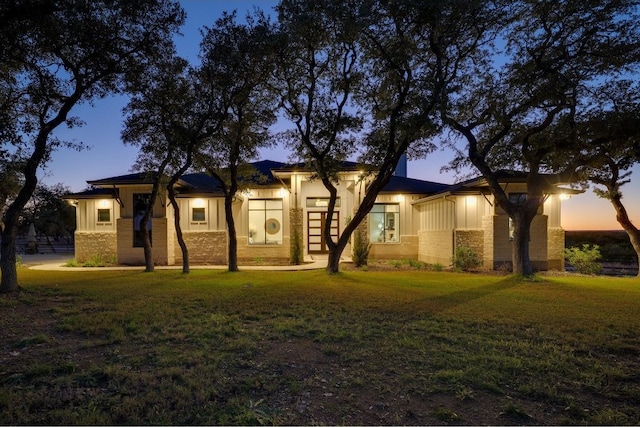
x=316, y=243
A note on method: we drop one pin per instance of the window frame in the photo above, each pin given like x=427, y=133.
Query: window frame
x=103, y=221
x=390, y=224
x=204, y=215
x=264, y=232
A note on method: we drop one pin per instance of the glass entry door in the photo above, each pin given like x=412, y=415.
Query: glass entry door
x=316, y=243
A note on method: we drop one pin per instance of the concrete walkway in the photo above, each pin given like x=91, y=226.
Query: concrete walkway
x=56, y=262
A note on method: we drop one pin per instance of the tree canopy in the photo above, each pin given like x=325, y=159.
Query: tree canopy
x=519, y=108
x=57, y=54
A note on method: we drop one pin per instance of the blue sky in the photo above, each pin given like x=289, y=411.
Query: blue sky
x=107, y=156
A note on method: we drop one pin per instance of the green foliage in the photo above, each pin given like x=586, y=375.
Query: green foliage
x=615, y=245
x=361, y=248
x=96, y=260
x=465, y=259
x=584, y=259
x=72, y=263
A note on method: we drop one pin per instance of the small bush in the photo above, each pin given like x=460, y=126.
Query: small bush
x=584, y=259
x=99, y=260
x=465, y=259
x=361, y=249
x=72, y=263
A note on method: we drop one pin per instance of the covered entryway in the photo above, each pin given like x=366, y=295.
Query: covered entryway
x=316, y=243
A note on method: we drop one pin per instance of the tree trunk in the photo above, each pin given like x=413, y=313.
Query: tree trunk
x=9, y=282
x=176, y=222
x=148, y=251
x=231, y=228
x=520, y=249
x=623, y=219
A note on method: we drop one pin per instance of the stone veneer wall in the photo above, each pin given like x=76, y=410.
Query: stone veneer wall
x=127, y=254
x=538, y=247
x=407, y=248
x=264, y=252
x=502, y=246
x=488, y=242
x=435, y=246
x=473, y=239
x=90, y=244
x=205, y=247
x=555, y=244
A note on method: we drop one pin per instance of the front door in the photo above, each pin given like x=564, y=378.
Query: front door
x=316, y=242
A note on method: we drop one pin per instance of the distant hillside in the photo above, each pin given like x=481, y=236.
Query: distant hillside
x=614, y=244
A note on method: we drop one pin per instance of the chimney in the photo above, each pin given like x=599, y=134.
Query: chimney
x=401, y=167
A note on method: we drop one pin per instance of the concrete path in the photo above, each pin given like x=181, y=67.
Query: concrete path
x=56, y=262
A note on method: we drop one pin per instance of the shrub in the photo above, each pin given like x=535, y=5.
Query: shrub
x=72, y=263
x=584, y=259
x=97, y=260
x=465, y=259
x=361, y=249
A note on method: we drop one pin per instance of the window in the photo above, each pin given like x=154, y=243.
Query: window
x=320, y=202
x=198, y=215
x=265, y=222
x=104, y=215
x=384, y=223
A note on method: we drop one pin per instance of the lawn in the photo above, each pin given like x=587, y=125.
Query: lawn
x=360, y=347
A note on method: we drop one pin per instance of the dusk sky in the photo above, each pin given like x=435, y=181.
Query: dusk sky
x=108, y=156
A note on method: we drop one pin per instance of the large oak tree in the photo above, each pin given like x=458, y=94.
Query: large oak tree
x=56, y=55
x=358, y=79
x=517, y=110
x=237, y=62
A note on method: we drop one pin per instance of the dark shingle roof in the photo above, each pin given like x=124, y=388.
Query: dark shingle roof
x=399, y=184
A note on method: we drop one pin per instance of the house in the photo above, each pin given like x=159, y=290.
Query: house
x=412, y=219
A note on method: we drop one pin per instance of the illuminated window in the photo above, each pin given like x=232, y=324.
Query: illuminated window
x=384, y=223
x=265, y=222
x=104, y=215
x=320, y=202
x=198, y=215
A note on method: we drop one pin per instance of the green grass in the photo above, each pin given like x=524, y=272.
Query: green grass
x=359, y=347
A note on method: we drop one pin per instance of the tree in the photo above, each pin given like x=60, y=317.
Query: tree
x=61, y=54
x=10, y=183
x=518, y=108
x=236, y=61
x=358, y=79
x=170, y=113
x=50, y=213
x=613, y=132
x=316, y=75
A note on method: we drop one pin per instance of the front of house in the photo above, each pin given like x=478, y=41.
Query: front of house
x=412, y=219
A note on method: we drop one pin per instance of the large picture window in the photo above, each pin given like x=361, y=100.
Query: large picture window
x=384, y=223
x=265, y=222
